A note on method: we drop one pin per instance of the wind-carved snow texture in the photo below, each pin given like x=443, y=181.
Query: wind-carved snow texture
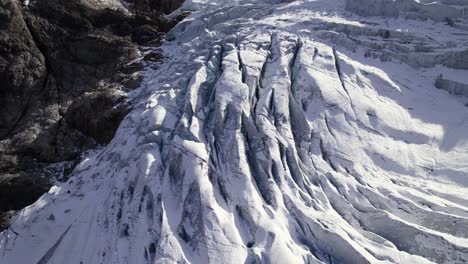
x=257, y=141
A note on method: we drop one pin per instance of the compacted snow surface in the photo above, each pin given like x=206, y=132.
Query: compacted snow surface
x=275, y=132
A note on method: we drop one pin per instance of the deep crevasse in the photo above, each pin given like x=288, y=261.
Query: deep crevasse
x=268, y=136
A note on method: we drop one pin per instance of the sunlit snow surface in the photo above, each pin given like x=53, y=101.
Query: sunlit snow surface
x=263, y=138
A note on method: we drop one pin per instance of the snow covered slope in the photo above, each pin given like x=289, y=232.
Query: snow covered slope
x=275, y=133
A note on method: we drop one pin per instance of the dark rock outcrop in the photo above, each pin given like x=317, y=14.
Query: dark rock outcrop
x=5, y=219
x=98, y=114
x=65, y=68
x=165, y=6
x=22, y=66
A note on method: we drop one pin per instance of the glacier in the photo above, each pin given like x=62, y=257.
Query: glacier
x=277, y=132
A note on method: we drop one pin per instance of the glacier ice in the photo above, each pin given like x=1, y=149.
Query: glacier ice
x=274, y=132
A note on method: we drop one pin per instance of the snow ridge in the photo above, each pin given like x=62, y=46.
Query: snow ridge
x=270, y=135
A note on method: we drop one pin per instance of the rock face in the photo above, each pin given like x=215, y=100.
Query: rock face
x=98, y=114
x=166, y=6
x=22, y=65
x=65, y=68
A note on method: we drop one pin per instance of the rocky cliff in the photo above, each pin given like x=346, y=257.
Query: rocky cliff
x=65, y=70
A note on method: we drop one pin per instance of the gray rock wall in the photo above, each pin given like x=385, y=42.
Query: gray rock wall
x=65, y=68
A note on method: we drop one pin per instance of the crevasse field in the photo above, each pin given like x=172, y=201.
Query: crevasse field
x=299, y=132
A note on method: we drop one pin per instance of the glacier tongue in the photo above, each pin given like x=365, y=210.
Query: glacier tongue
x=268, y=135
